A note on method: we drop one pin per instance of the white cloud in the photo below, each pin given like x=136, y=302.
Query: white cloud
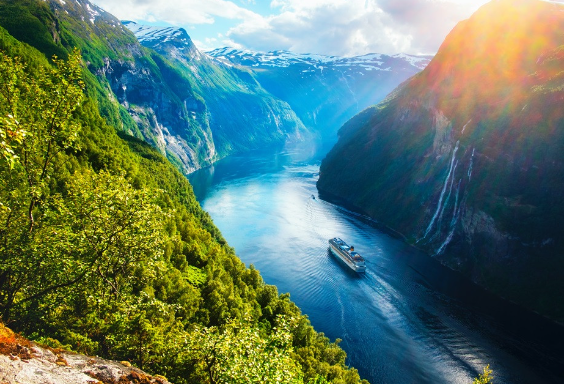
x=176, y=12
x=337, y=27
x=352, y=27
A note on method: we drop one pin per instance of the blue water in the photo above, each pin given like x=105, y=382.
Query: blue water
x=407, y=319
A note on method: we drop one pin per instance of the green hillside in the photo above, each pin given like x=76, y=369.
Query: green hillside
x=193, y=114
x=104, y=249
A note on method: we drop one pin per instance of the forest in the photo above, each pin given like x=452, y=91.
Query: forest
x=105, y=251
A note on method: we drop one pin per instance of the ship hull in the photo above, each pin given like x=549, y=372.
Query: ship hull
x=345, y=259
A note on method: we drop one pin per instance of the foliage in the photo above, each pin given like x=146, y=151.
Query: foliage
x=484, y=377
x=37, y=125
x=31, y=21
x=105, y=249
x=238, y=353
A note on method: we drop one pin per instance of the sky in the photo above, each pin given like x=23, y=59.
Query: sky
x=329, y=27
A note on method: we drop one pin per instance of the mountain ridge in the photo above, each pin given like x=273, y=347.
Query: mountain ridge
x=283, y=58
x=324, y=91
x=464, y=159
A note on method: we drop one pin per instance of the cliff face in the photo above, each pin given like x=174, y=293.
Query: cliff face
x=161, y=88
x=149, y=92
x=325, y=91
x=174, y=121
x=241, y=114
x=465, y=159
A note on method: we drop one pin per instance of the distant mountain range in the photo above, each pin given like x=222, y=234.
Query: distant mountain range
x=466, y=159
x=325, y=91
x=369, y=62
x=240, y=113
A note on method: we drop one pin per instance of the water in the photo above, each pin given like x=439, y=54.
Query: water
x=407, y=319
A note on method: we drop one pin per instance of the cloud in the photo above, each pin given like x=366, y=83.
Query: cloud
x=335, y=27
x=353, y=27
x=175, y=12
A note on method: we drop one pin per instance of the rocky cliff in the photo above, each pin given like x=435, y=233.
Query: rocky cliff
x=241, y=114
x=164, y=91
x=325, y=91
x=465, y=159
x=25, y=362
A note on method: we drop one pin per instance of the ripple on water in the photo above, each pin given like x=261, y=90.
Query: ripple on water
x=400, y=322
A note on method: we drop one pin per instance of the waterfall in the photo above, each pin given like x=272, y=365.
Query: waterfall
x=440, y=203
x=455, y=215
x=465, y=125
x=471, y=164
x=440, y=219
x=445, y=243
x=455, y=212
x=443, y=208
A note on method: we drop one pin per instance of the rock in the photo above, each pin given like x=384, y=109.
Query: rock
x=23, y=362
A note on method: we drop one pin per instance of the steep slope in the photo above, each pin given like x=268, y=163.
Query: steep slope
x=242, y=115
x=466, y=158
x=192, y=111
x=325, y=91
x=104, y=249
x=147, y=96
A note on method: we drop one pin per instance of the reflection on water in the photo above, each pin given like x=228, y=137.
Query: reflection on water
x=407, y=319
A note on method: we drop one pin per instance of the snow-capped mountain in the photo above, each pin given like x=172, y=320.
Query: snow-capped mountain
x=368, y=62
x=325, y=91
x=240, y=113
x=147, y=33
x=175, y=41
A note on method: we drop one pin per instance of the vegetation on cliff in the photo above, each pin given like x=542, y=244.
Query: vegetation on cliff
x=193, y=111
x=104, y=249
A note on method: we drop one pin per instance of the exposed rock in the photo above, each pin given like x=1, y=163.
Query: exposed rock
x=24, y=362
x=465, y=158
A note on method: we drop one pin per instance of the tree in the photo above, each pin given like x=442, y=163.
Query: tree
x=37, y=124
x=484, y=377
x=96, y=230
x=238, y=353
x=36, y=128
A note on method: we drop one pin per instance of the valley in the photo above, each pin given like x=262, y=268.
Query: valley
x=408, y=318
x=166, y=202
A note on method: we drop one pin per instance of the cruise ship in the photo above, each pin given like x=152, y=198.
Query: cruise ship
x=346, y=253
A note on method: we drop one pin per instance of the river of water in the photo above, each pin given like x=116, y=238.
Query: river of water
x=407, y=319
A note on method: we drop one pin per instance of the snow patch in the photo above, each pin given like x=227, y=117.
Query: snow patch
x=92, y=12
x=417, y=61
x=152, y=33
x=281, y=58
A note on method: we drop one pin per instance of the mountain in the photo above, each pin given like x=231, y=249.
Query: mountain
x=147, y=97
x=193, y=110
x=241, y=114
x=325, y=91
x=465, y=160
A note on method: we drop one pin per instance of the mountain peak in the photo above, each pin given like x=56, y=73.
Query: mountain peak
x=149, y=33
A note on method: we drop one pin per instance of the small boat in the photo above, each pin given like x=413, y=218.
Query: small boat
x=347, y=254
x=313, y=197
